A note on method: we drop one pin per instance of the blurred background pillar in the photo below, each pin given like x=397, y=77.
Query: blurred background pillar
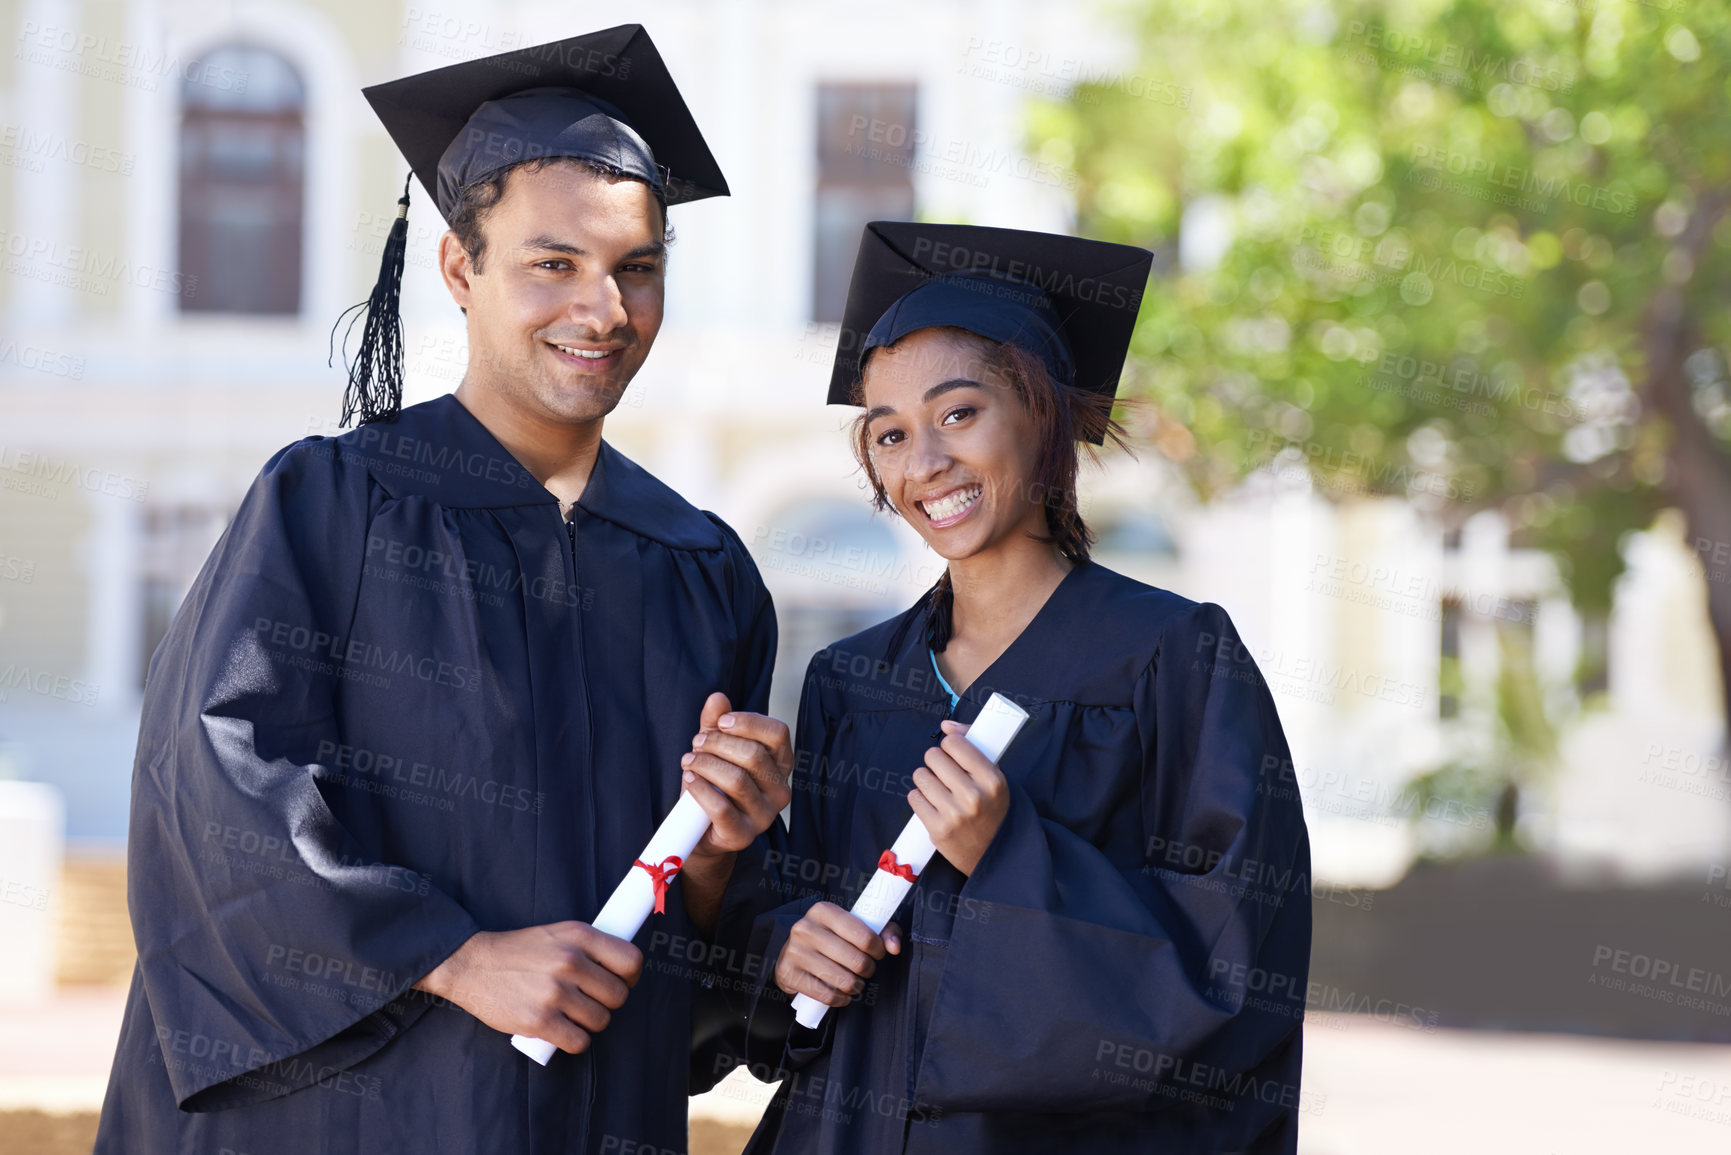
x=32, y=847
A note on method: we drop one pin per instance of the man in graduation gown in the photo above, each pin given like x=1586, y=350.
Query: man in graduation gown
x=432, y=692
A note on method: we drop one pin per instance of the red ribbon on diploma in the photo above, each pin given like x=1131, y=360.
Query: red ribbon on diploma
x=888, y=864
x=662, y=875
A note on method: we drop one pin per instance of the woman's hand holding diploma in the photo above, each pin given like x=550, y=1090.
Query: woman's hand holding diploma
x=966, y=794
x=830, y=954
x=961, y=796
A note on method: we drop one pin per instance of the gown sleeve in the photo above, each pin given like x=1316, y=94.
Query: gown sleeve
x=764, y=902
x=266, y=931
x=1115, y=993
x=716, y=1033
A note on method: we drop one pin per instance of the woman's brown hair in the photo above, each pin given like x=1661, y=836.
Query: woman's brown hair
x=1062, y=416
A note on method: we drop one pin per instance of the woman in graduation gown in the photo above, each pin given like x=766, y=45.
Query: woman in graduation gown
x=1110, y=950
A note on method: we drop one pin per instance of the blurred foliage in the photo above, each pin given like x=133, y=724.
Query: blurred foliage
x=1413, y=249
x=1515, y=760
x=1528, y=735
x=1485, y=797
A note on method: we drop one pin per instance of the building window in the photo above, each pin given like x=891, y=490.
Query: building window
x=176, y=540
x=865, y=153
x=242, y=164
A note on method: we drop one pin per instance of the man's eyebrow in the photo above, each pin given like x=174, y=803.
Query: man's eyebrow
x=935, y=391
x=546, y=243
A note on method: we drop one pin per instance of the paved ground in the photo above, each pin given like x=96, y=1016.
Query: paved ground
x=1369, y=1089
x=55, y=1056
x=1381, y=1088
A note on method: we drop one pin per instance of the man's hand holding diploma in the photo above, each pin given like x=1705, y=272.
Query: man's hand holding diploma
x=738, y=771
x=561, y=982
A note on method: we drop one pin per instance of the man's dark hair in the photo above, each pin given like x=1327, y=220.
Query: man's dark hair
x=477, y=199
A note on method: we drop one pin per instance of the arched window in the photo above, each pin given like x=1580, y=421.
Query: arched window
x=834, y=537
x=242, y=165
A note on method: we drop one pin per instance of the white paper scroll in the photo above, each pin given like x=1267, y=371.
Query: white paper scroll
x=634, y=898
x=990, y=733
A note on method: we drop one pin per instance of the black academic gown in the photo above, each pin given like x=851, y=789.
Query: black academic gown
x=403, y=702
x=1125, y=969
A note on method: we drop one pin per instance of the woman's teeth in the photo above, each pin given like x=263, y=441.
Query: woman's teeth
x=951, y=504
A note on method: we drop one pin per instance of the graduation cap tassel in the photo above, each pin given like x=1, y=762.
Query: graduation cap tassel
x=375, y=389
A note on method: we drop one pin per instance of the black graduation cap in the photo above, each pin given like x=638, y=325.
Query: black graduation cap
x=604, y=97
x=1070, y=301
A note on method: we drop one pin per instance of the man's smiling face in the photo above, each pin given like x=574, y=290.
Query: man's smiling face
x=568, y=293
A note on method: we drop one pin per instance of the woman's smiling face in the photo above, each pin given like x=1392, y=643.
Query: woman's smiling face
x=951, y=442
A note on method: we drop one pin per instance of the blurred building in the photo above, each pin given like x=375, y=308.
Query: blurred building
x=190, y=194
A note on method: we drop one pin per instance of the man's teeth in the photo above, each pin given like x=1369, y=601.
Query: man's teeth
x=586, y=354
x=951, y=504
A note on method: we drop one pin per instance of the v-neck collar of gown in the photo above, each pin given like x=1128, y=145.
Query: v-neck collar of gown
x=440, y=450
x=983, y=683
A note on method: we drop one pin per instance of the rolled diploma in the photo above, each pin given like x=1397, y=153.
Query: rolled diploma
x=634, y=897
x=998, y=722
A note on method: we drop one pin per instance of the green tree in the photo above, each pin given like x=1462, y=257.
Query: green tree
x=1516, y=754
x=1476, y=253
